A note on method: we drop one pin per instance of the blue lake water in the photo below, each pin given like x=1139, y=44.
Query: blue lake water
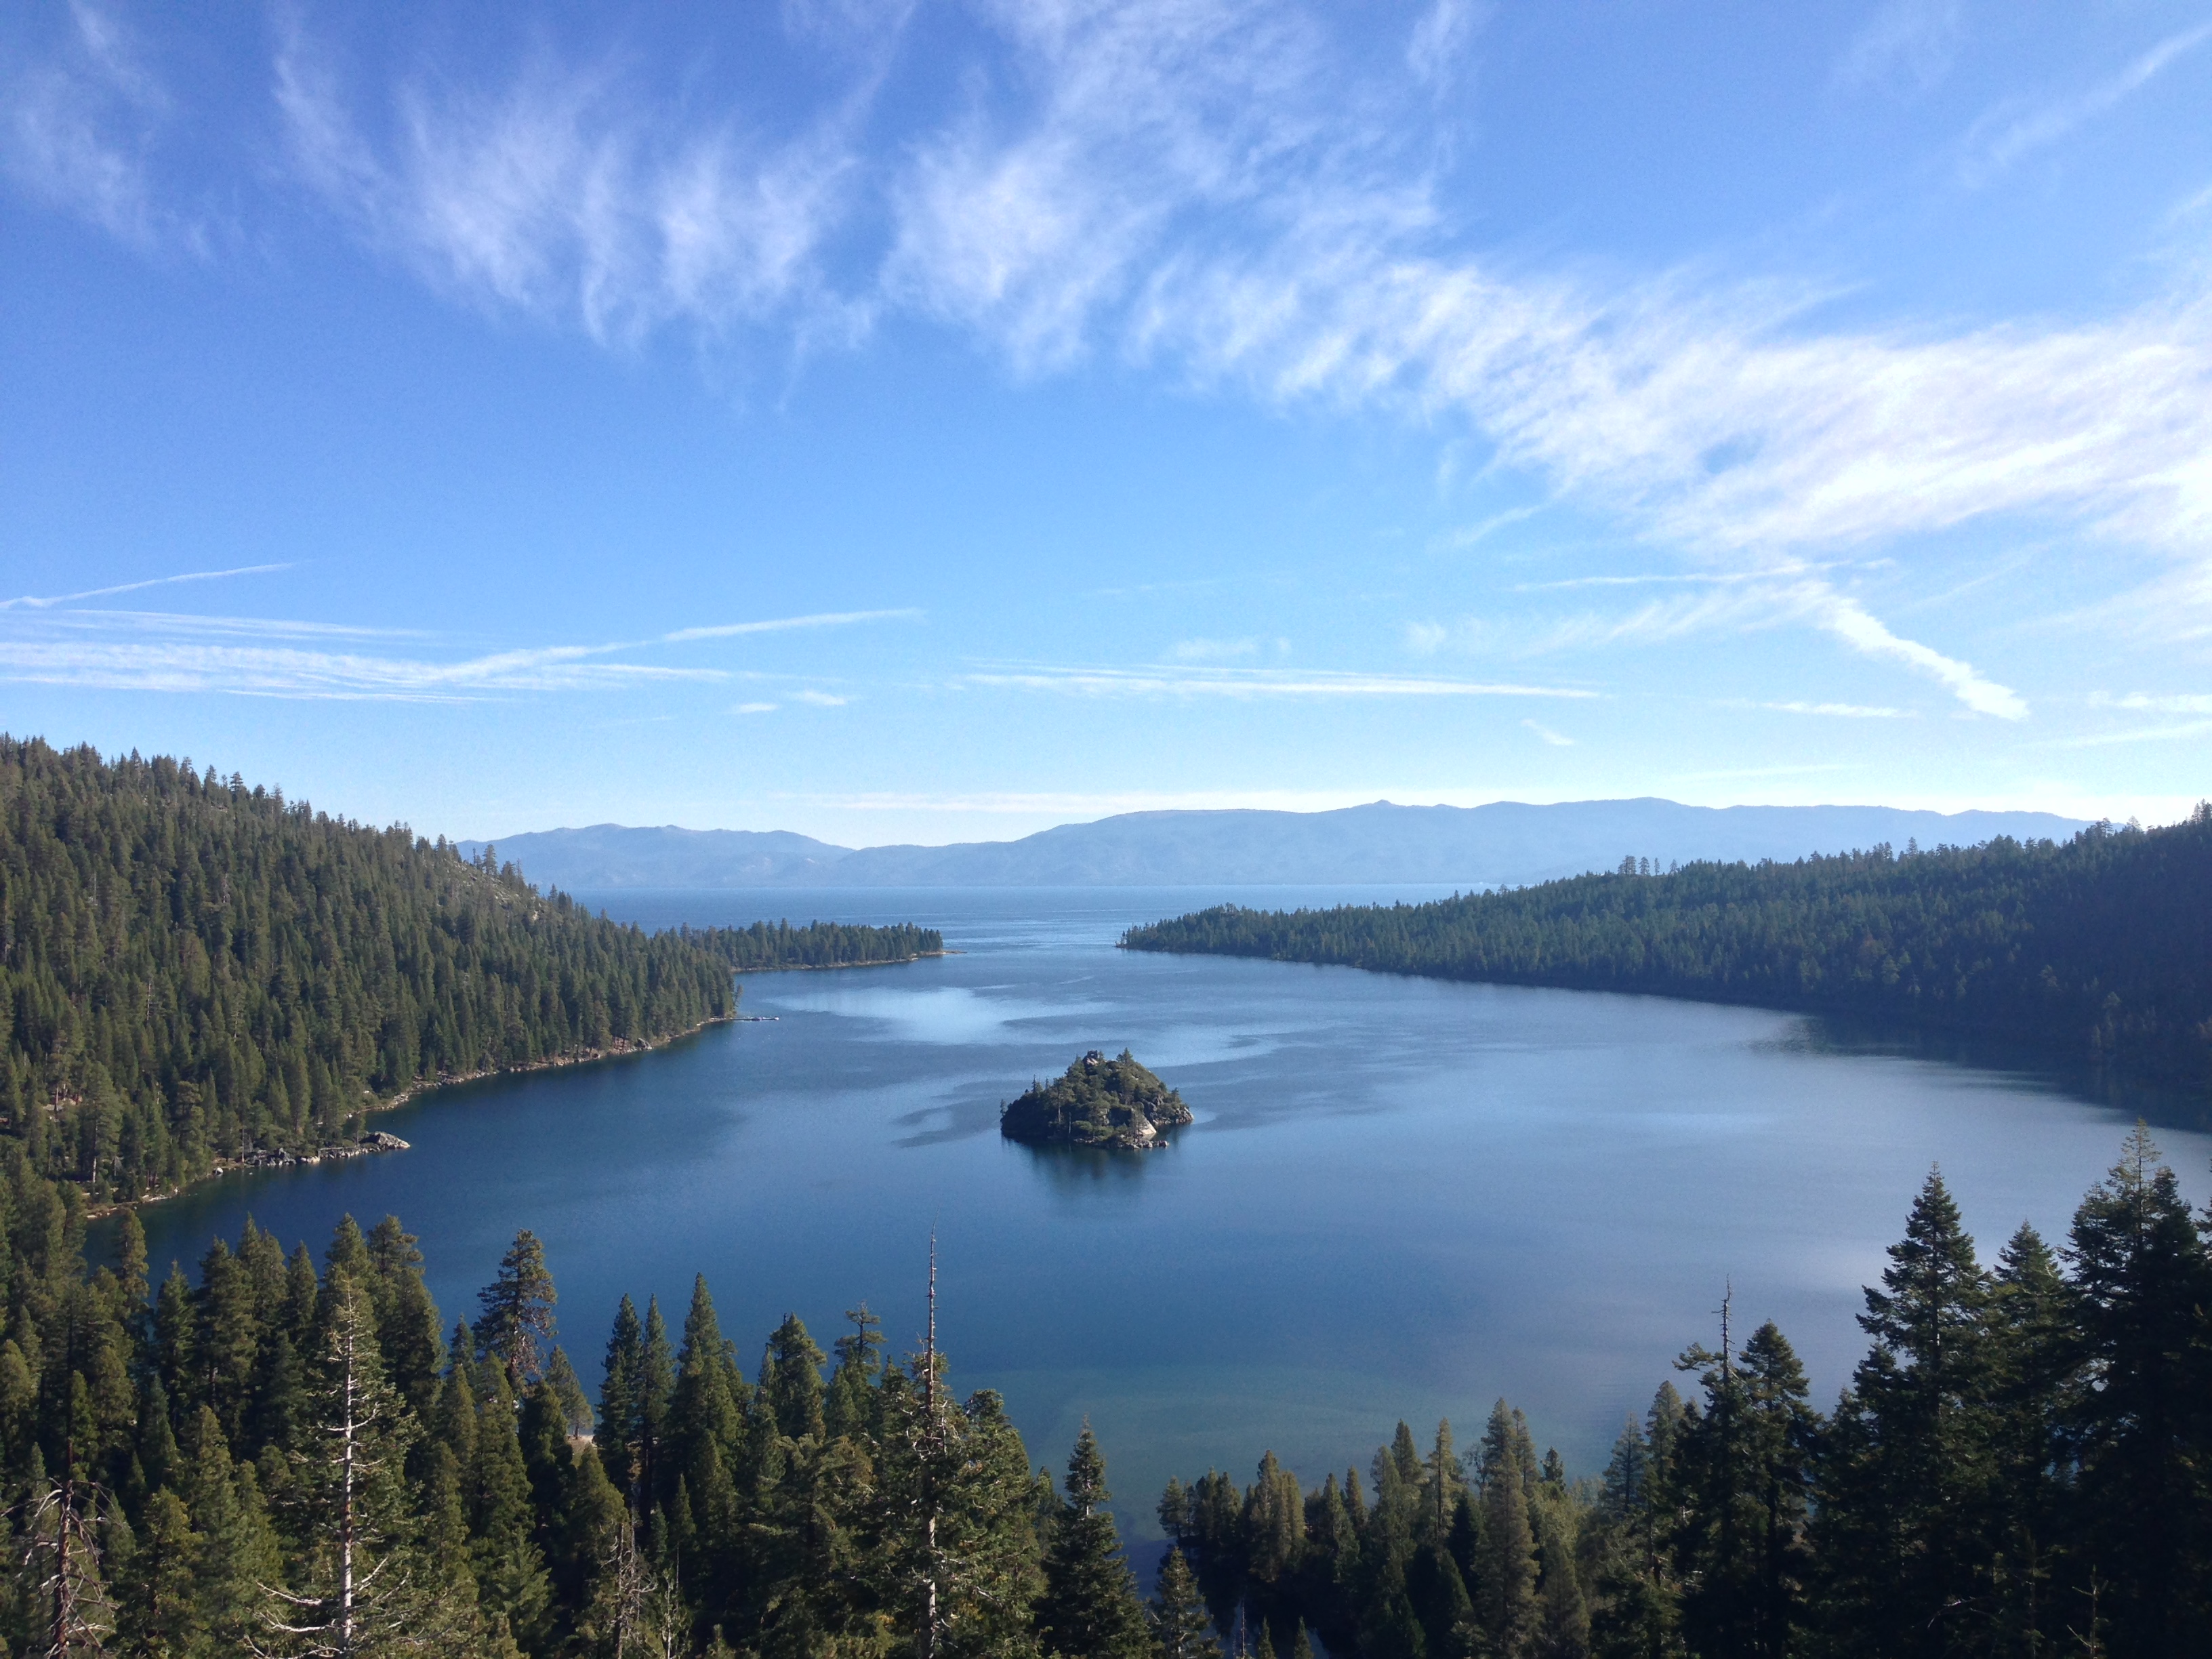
x=1401, y=1197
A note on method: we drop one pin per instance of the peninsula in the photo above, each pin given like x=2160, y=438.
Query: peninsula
x=1098, y=1102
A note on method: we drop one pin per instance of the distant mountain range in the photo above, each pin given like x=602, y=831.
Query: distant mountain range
x=1506, y=842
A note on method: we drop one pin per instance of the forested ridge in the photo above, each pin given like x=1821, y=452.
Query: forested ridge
x=2021, y=1466
x=2102, y=944
x=192, y=970
x=771, y=945
x=275, y=1458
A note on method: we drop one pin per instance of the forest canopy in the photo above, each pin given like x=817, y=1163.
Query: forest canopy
x=2018, y=1467
x=192, y=969
x=766, y=945
x=2102, y=944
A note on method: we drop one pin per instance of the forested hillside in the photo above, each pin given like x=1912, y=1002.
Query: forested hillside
x=2102, y=943
x=771, y=945
x=2018, y=1468
x=191, y=969
x=2021, y=1466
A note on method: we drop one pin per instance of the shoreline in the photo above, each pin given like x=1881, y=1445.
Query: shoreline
x=622, y=1048
x=833, y=967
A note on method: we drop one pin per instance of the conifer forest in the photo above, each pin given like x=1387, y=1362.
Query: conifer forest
x=276, y=1456
x=282, y=1457
x=192, y=970
x=2098, y=946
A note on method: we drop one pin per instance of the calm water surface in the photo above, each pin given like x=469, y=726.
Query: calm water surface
x=1401, y=1197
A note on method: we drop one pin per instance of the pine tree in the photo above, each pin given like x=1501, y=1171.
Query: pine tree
x=1089, y=1609
x=1181, y=1626
x=622, y=1402
x=1273, y=1524
x=505, y=1558
x=2142, y=1281
x=1742, y=1470
x=791, y=1381
x=358, y=1587
x=517, y=1321
x=851, y=1408
x=2030, y=1363
x=957, y=1544
x=1906, y=1530
x=1506, y=1554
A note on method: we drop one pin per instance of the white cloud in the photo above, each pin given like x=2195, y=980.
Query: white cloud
x=755, y=708
x=286, y=672
x=1852, y=711
x=1555, y=739
x=1849, y=622
x=2003, y=136
x=34, y=602
x=81, y=125
x=170, y=653
x=1215, y=187
x=2139, y=734
x=1213, y=650
x=820, y=699
x=1736, y=606
x=1247, y=683
x=780, y=624
x=2184, y=703
x=1914, y=40
x=562, y=196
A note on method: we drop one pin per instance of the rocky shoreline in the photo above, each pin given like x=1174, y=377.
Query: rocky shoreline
x=380, y=1140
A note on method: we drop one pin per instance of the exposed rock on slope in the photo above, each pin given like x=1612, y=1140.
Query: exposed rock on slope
x=1097, y=1102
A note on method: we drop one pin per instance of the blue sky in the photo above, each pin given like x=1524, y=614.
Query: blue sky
x=929, y=420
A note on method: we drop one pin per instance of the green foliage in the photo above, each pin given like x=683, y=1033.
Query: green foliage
x=1089, y=1609
x=2096, y=944
x=2018, y=1469
x=1098, y=1102
x=191, y=970
x=771, y=945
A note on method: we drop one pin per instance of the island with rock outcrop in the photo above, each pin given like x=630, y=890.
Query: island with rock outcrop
x=1097, y=1102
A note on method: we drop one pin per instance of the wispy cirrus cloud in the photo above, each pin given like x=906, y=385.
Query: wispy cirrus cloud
x=1223, y=191
x=1736, y=606
x=1850, y=711
x=567, y=194
x=1248, y=684
x=38, y=602
x=161, y=652
x=783, y=624
x=2005, y=135
x=290, y=673
x=1911, y=41
x=82, y=124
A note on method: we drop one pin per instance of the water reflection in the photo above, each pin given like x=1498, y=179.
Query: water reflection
x=1401, y=1196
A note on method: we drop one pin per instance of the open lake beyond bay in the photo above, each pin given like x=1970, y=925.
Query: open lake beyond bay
x=1401, y=1197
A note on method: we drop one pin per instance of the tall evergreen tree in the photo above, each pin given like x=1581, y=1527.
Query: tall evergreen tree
x=516, y=1324
x=2141, y=1284
x=1506, y=1560
x=1907, y=1528
x=1089, y=1609
x=1743, y=1469
x=1181, y=1626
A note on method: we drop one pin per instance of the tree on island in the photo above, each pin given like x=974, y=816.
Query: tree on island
x=1098, y=1102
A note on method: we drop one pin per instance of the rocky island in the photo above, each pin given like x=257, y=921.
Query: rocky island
x=1097, y=1102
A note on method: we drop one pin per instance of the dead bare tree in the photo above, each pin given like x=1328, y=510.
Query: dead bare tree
x=364, y=1594
x=62, y=1556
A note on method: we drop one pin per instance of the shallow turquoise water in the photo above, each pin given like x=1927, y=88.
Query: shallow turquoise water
x=1400, y=1198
